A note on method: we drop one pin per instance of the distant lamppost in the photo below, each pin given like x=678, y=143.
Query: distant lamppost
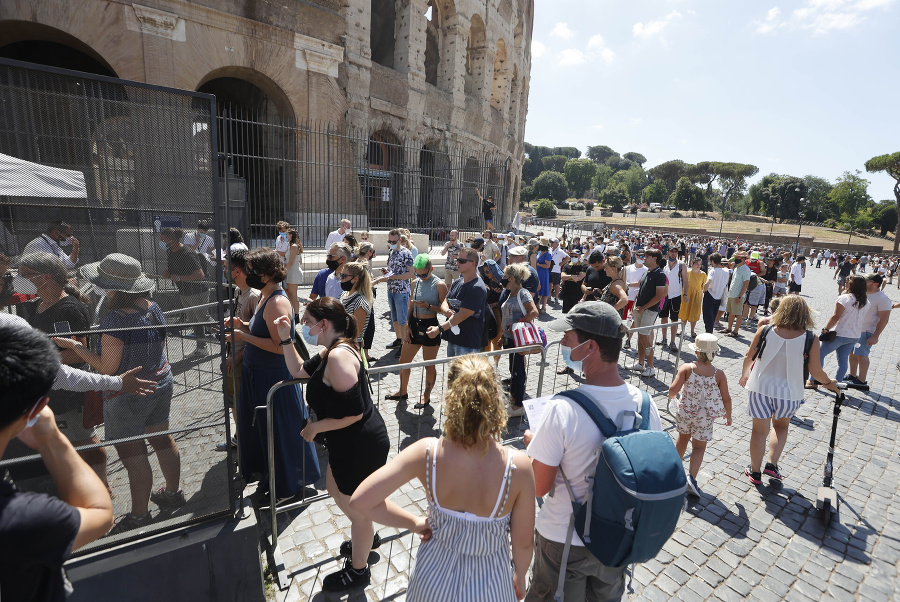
x=774, y=219
x=801, y=215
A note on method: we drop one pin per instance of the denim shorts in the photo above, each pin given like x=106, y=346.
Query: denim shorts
x=399, y=303
x=129, y=414
x=861, y=348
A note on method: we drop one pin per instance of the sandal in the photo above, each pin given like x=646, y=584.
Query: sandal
x=732, y=334
x=422, y=405
x=813, y=386
x=397, y=396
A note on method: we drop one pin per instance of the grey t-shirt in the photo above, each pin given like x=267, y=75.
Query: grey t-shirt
x=512, y=310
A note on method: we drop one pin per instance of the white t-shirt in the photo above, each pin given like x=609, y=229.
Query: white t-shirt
x=827, y=254
x=797, y=273
x=879, y=302
x=675, y=283
x=718, y=282
x=281, y=246
x=567, y=437
x=334, y=237
x=558, y=255
x=634, y=273
x=851, y=321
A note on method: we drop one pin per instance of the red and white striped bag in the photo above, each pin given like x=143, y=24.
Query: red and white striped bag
x=526, y=334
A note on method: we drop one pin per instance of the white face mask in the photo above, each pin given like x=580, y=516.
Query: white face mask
x=32, y=421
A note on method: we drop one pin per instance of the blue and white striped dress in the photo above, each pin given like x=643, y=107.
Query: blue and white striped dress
x=468, y=557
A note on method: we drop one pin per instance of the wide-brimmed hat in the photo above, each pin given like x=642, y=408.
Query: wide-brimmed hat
x=118, y=272
x=705, y=343
x=520, y=250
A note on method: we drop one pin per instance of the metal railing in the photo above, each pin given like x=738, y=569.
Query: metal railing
x=276, y=562
x=549, y=358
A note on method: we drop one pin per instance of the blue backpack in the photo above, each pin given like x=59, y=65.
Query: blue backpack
x=636, y=494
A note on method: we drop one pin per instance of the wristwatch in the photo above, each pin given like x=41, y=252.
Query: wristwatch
x=286, y=342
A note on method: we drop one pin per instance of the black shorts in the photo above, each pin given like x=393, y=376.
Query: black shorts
x=555, y=277
x=793, y=288
x=671, y=308
x=418, y=331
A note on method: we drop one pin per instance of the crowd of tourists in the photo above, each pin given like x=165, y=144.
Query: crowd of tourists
x=479, y=536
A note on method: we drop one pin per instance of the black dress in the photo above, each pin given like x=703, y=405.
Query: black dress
x=357, y=450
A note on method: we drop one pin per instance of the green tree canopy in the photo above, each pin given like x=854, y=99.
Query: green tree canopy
x=885, y=216
x=599, y=154
x=670, y=172
x=634, y=180
x=656, y=192
x=687, y=196
x=569, y=152
x=602, y=179
x=635, y=158
x=579, y=174
x=619, y=164
x=850, y=194
x=554, y=162
x=817, y=190
x=890, y=164
x=550, y=185
x=615, y=196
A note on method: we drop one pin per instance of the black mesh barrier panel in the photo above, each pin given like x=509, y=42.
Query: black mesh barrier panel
x=95, y=175
x=314, y=174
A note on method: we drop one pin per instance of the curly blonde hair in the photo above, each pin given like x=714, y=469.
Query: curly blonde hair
x=793, y=314
x=475, y=409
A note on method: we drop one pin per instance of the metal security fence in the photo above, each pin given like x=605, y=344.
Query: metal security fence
x=313, y=174
x=91, y=166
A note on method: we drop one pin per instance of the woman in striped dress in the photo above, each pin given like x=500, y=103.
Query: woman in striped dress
x=477, y=539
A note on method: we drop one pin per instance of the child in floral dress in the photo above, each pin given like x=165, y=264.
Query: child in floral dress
x=704, y=397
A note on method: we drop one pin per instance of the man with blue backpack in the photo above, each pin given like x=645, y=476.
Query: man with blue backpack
x=602, y=446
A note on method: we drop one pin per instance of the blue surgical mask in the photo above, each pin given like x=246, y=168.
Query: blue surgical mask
x=566, y=352
x=312, y=339
x=393, y=246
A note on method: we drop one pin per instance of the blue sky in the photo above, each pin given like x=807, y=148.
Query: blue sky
x=801, y=87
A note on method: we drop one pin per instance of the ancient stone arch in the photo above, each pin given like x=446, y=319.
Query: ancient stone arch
x=501, y=81
x=476, y=57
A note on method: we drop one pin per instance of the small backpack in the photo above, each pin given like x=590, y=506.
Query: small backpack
x=807, y=345
x=635, y=495
x=754, y=282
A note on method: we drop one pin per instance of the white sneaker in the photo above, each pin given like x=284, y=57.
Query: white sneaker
x=514, y=411
x=649, y=372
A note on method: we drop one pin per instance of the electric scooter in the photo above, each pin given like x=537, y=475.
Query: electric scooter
x=827, y=498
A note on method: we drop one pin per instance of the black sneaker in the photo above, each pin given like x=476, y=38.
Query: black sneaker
x=851, y=380
x=771, y=470
x=346, y=578
x=346, y=549
x=755, y=477
x=131, y=522
x=693, y=488
x=662, y=342
x=396, y=344
x=168, y=500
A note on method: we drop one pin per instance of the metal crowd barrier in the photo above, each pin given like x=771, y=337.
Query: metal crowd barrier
x=275, y=557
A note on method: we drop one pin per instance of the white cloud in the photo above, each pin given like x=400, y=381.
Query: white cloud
x=537, y=49
x=654, y=28
x=597, y=127
x=635, y=120
x=562, y=31
x=596, y=47
x=821, y=16
x=571, y=57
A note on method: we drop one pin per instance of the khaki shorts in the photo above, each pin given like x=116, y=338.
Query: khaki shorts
x=735, y=306
x=644, y=318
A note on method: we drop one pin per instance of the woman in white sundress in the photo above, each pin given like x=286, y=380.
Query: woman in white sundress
x=478, y=537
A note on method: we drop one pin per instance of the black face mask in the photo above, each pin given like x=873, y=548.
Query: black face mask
x=504, y=282
x=346, y=285
x=254, y=280
x=332, y=264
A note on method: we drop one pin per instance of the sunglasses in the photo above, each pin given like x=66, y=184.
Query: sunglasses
x=461, y=260
x=425, y=275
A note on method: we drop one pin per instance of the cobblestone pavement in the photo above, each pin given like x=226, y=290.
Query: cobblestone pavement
x=737, y=541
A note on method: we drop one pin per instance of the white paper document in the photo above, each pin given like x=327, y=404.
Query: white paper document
x=534, y=409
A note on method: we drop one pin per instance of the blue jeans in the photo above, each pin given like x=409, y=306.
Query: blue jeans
x=399, y=303
x=454, y=350
x=843, y=346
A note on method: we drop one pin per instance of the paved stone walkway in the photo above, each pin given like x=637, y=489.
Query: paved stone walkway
x=737, y=541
